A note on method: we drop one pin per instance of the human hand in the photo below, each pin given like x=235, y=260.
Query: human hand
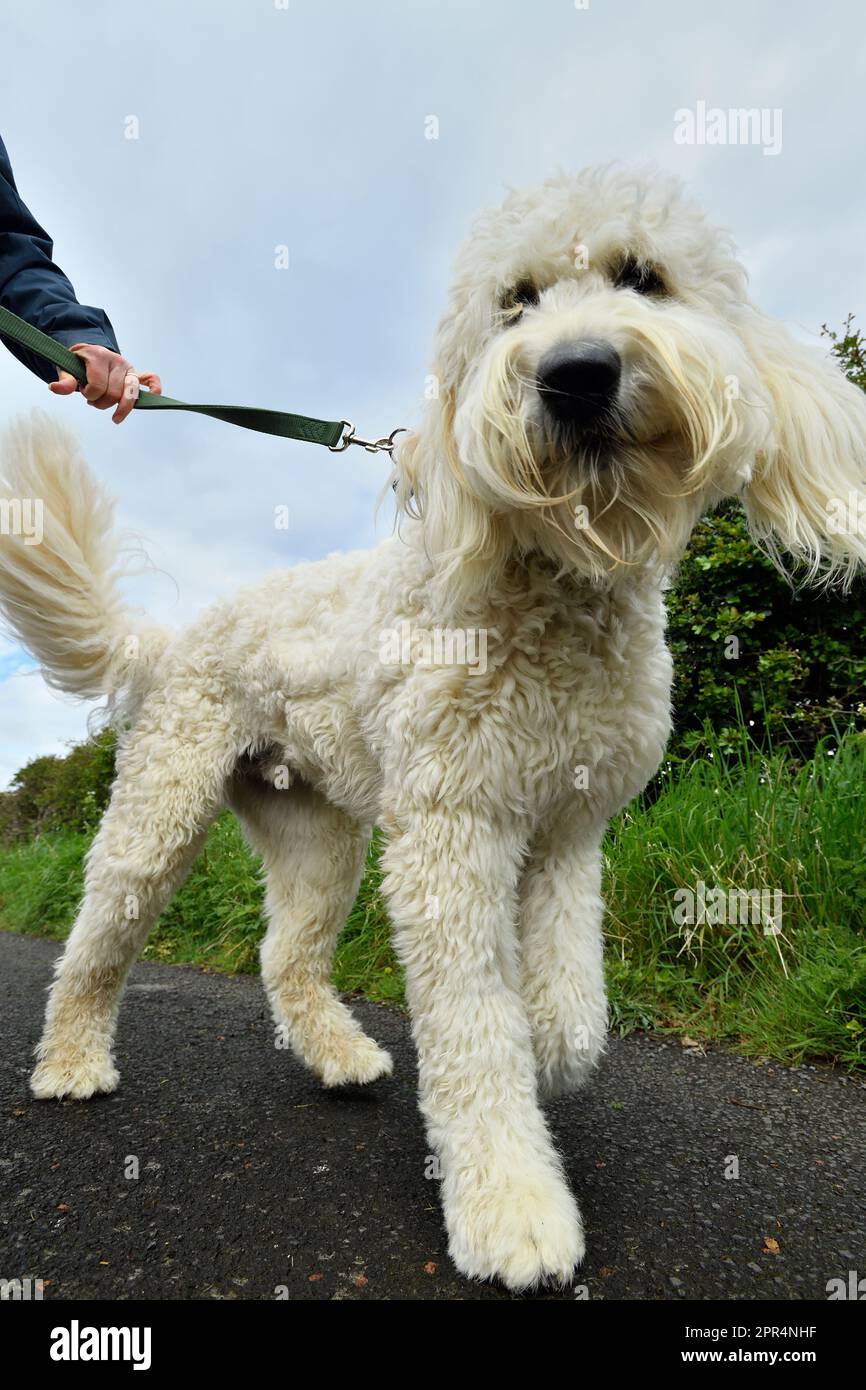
x=111, y=380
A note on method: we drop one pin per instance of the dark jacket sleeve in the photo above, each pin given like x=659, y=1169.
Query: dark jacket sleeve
x=36, y=289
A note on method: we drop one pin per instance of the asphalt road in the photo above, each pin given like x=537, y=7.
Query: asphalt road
x=251, y=1178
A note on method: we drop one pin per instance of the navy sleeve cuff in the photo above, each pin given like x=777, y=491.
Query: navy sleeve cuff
x=68, y=336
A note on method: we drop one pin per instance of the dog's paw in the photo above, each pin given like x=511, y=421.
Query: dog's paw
x=566, y=1055
x=562, y=1072
x=72, y=1076
x=522, y=1231
x=356, y=1062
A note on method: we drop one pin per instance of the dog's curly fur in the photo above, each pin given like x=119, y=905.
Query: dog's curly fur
x=492, y=780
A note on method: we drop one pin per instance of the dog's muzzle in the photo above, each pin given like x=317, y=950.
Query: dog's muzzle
x=579, y=381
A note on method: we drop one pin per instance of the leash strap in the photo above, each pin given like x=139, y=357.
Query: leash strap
x=279, y=422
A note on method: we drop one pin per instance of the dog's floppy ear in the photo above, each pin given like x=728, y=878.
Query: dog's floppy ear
x=807, y=494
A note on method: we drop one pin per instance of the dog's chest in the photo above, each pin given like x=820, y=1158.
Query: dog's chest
x=568, y=696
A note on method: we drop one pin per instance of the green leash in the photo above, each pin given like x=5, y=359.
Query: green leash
x=336, y=434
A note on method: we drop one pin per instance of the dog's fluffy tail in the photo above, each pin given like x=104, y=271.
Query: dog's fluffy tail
x=59, y=565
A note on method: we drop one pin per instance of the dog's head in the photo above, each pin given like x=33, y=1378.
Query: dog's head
x=602, y=380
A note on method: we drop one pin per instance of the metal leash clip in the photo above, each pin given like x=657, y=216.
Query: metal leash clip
x=385, y=445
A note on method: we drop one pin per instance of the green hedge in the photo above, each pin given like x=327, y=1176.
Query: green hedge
x=54, y=793
x=794, y=664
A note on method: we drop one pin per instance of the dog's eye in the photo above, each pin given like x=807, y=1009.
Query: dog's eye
x=632, y=274
x=524, y=294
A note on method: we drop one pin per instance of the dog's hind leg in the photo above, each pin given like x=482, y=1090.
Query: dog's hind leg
x=168, y=788
x=314, y=856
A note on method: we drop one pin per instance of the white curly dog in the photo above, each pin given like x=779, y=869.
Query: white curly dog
x=602, y=381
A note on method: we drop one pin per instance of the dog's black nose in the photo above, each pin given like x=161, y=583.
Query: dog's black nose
x=578, y=381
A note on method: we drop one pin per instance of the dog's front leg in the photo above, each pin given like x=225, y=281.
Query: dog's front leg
x=561, y=951
x=451, y=884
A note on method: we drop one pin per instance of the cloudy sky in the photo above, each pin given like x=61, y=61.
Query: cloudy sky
x=304, y=123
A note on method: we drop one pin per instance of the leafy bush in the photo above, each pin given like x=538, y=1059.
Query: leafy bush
x=60, y=793
x=849, y=349
x=744, y=640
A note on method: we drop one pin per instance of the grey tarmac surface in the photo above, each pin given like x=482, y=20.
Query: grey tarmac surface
x=252, y=1177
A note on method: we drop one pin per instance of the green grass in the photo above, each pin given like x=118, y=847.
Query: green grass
x=757, y=822
x=215, y=920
